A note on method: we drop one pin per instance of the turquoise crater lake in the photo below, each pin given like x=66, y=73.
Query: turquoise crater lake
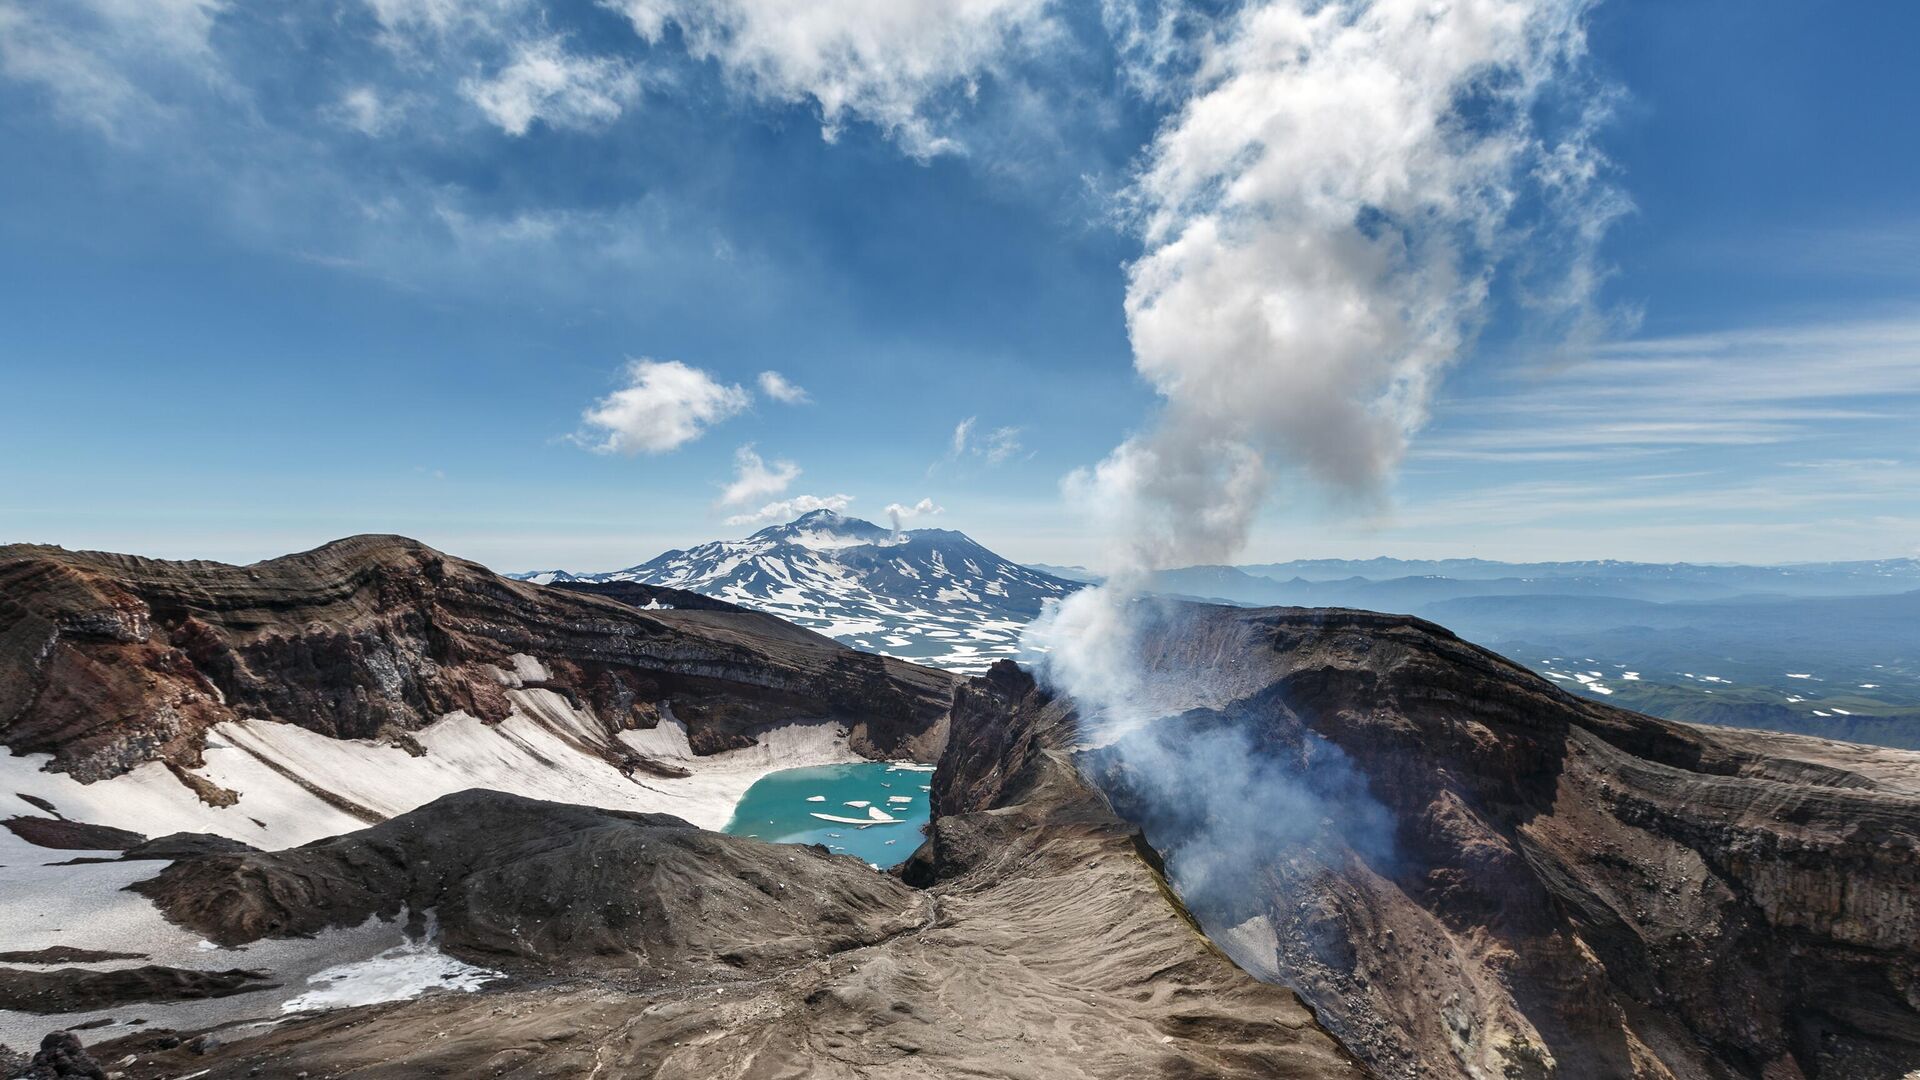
x=880, y=808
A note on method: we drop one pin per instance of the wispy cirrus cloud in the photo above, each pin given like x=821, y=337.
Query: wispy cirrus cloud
x=110, y=65
x=1750, y=387
x=887, y=62
x=992, y=446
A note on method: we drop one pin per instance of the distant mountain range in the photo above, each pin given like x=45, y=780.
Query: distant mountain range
x=1829, y=649
x=933, y=596
x=1400, y=585
x=1811, y=578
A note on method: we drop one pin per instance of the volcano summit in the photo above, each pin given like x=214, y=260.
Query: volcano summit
x=934, y=596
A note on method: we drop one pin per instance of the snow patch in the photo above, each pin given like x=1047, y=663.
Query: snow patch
x=405, y=971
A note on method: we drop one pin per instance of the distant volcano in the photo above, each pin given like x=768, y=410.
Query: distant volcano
x=934, y=596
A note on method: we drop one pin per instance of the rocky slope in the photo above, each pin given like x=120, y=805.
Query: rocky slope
x=933, y=596
x=1470, y=872
x=1044, y=944
x=546, y=888
x=108, y=662
x=1462, y=869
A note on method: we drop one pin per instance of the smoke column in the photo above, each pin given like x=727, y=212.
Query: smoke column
x=1324, y=218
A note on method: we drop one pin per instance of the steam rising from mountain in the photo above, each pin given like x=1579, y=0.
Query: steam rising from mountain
x=1323, y=218
x=897, y=513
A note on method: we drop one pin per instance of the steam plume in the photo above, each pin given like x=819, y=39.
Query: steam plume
x=1324, y=218
x=897, y=513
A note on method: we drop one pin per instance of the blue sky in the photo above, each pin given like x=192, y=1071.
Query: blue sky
x=280, y=273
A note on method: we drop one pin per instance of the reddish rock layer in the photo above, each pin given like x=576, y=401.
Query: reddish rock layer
x=108, y=661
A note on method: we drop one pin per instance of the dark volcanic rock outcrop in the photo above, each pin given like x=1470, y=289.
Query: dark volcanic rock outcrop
x=181, y=845
x=648, y=597
x=69, y=990
x=61, y=1055
x=65, y=954
x=108, y=661
x=1564, y=888
x=540, y=887
x=66, y=835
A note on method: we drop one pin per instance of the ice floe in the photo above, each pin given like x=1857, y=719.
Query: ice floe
x=884, y=818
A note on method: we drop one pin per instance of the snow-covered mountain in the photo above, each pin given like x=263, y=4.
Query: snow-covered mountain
x=933, y=596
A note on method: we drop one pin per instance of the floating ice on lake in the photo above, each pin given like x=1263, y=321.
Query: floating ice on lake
x=816, y=798
x=883, y=819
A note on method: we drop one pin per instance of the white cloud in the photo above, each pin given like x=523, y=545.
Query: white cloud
x=994, y=447
x=1001, y=444
x=546, y=82
x=788, y=509
x=109, y=64
x=883, y=61
x=1148, y=40
x=897, y=512
x=755, y=479
x=664, y=405
x=781, y=389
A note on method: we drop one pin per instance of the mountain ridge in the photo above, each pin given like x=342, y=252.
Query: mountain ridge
x=1465, y=870
x=932, y=596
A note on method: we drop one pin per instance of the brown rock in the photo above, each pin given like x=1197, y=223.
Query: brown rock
x=108, y=661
